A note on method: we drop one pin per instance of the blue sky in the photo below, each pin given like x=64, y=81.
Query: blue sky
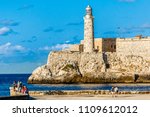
x=30, y=29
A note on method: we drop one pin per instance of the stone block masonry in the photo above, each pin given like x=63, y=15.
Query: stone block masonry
x=133, y=46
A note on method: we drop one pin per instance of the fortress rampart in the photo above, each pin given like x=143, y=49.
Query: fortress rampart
x=133, y=46
x=128, y=46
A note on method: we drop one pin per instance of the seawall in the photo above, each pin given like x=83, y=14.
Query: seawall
x=17, y=97
x=83, y=92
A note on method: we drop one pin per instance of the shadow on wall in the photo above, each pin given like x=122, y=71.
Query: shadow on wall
x=109, y=45
x=107, y=65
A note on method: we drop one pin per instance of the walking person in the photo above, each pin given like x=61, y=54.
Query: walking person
x=114, y=91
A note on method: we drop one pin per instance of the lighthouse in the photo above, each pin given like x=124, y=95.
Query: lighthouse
x=88, y=30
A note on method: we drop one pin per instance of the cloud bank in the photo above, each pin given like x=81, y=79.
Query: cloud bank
x=55, y=47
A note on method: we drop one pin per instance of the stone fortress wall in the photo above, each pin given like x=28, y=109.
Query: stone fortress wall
x=101, y=60
x=134, y=46
x=129, y=46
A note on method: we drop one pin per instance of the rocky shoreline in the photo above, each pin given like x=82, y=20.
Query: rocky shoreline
x=78, y=68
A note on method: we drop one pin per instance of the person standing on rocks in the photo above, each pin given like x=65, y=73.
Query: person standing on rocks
x=14, y=85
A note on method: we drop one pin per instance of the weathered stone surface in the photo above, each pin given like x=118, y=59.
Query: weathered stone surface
x=128, y=63
x=143, y=78
x=40, y=74
x=76, y=67
x=91, y=65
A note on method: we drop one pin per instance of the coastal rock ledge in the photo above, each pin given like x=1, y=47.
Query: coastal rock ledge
x=75, y=67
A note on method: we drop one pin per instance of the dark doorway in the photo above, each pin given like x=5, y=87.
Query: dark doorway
x=136, y=76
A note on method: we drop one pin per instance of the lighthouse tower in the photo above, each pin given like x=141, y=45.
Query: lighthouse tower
x=88, y=30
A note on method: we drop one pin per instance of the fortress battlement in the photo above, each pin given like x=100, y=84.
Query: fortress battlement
x=134, y=39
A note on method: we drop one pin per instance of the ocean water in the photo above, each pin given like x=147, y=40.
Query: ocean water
x=6, y=81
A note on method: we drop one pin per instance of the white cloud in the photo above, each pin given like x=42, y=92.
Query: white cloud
x=56, y=47
x=8, y=48
x=127, y=0
x=60, y=46
x=47, y=48
x=5, y=31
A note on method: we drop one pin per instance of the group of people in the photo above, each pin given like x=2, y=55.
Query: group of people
x=19, y=87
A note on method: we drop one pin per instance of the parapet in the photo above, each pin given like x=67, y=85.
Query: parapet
x=133, y=39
